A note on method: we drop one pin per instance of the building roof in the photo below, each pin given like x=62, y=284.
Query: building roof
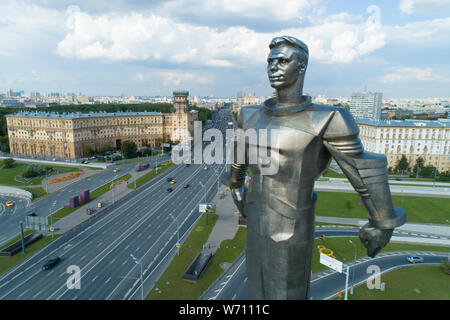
x=79, y=115
x=440, y=123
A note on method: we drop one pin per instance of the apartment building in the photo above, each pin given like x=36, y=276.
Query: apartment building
x=429, y=139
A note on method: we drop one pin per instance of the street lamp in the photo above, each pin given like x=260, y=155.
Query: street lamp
x=178, y=232
x=51, y=217
x=353, y=271
x=112, y=188
x=139, y=262
x=204, y=200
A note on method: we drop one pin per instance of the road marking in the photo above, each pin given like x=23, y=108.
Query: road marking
x=94, y=278
x=35, y=296
x=108, y=280
x=124, y=262
x=112, y=261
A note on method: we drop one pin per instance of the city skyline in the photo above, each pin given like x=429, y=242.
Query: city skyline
x=217, y=49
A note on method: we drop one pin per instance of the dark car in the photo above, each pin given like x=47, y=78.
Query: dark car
x=186, y=185
x=49, y=264
x=169, y=189
x=169, y=179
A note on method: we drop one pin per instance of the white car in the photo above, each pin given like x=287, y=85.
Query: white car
x=414, y=259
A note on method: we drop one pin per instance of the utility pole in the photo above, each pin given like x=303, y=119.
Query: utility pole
x=178, y=232
x=23, y=240
x=204, y=200
x=346, y=283
x=139, y=262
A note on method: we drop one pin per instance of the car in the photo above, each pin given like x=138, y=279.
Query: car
x=169, y=179
x=186, y=185
x=206, y=168
x=49, y=264
x=169, y=189
x=9, y=203
x=116, y=170
x=414, y=259
x=173, y=181
x=90, y=210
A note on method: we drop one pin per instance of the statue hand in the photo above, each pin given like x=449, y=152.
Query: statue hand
x=374, y=239
x=239, y=198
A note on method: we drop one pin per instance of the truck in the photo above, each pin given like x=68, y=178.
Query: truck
x=142, y=166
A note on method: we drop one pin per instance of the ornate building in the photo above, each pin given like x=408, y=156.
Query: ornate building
x=66, y=135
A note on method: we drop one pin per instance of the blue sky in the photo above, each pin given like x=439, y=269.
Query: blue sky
x=217, y=48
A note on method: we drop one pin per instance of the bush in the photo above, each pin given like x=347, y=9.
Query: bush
x=8, y=163
x=33, y=171
x=445, y=266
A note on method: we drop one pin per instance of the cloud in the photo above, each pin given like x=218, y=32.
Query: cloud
x=175, y=79
x=423, y=6
x=411, y=74
x=149, y=37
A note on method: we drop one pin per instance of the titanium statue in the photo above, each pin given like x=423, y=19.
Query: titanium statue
x=280, y=208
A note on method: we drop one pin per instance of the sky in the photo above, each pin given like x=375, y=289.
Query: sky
x=217, y=48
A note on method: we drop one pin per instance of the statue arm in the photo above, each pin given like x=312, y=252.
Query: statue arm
x=367, y=172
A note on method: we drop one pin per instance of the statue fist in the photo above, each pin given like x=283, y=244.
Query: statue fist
x=374, y=239
x=239, y=198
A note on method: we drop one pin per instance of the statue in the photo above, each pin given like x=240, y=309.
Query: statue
x=280, y=208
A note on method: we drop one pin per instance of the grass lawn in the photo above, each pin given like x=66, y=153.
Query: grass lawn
x=7, y=175
x=37, y=192
x=418, y=209
x=171, y=284
x=345, y=251
x=8, y=262
x=413, y=283
x=332, y=174
x=150, y=175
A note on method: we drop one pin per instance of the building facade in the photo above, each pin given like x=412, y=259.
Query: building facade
x=366, y=105
x=429, y=139
x=67, y=135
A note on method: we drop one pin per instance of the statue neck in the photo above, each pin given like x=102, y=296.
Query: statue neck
x=292, y=95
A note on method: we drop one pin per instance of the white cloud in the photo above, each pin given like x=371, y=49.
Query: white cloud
x=175, y=79
x=139, y=37
x=413, y=75
x=423, y=6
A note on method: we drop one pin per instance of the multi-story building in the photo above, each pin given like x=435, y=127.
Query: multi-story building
x=429, y=139
x=67, y=135
x=366, y=105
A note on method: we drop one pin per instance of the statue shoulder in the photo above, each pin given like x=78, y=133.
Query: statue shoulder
x=340, y=124
x=246, y=112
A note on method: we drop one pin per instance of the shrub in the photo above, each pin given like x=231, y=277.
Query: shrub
x=33, y=171
x=445, y=266
x=8, y=163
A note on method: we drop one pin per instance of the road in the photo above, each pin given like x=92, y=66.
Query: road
x=232, y=284
x=9, y=227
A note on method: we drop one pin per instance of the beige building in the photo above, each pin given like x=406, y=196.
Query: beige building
x=66, y=135
x=429, y=139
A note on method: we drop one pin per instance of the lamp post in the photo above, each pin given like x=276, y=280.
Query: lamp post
x=204, y=200
x=23, y=240
x=51, y=217
x=112, y=187
x=178, y=232
x=139, y=262
x=353, y=271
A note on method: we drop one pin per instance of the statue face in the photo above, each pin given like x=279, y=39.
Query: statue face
x=283, y=67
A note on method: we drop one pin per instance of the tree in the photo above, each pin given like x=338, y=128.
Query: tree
x=128, y=149
x=420, y=162
x=8, y=163
x=402, y=164
x=88, y=151
x=428, y=171
x=104, y=148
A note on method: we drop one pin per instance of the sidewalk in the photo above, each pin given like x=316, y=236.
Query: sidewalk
x=227, y=223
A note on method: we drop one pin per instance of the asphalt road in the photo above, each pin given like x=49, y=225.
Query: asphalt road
x=141, y=226
x=9, y=226
x=232, y=285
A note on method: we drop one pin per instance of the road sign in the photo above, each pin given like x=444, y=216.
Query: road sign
x=52, y=229
x=178, y=245
x=207, y=207
x=331, y=262
x=166, y=144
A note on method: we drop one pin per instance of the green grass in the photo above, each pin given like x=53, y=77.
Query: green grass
x=418, y=209
x=178, y=288
x=412, y=283
x=345, y=251
x=7, y=175
x=64, y=212
x=132, y=161
x=95, y=168
x=150, y=175
x=37, y=192
x=332, y=174
x=8, y=262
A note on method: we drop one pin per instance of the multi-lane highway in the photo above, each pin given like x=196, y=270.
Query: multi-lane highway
x=9, y=225
x=141, y=226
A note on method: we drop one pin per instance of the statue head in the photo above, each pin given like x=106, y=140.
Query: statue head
x=287, y=60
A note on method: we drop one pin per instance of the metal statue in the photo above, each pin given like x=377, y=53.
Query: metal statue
x=280, y=207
